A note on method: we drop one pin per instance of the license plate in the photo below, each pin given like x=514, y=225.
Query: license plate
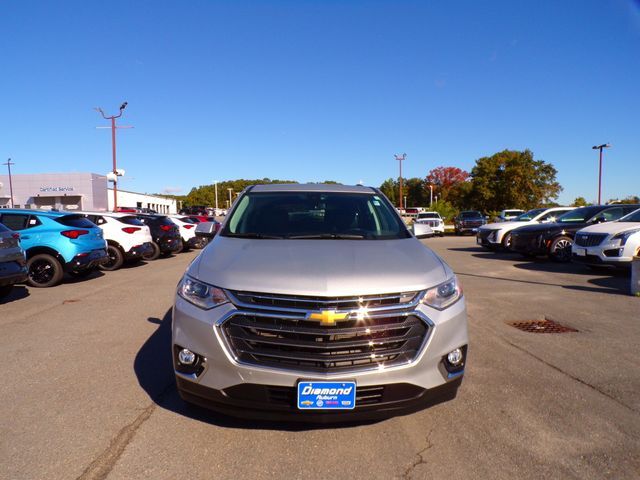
x=581, y=252
x=326, y=395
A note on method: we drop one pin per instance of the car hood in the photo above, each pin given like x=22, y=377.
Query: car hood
x=319, y=267
x=611, y=227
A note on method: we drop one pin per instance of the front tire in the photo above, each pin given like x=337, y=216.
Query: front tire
x=560, y=249
x=154, y=253
x=506, y=241
x=44, y=271
x=116, y=259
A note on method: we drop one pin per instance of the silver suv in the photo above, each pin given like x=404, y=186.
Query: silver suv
x=315, y=303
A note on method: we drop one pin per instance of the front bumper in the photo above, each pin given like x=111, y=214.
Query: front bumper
x=87, y=260
x=610, y=253
x=218, y=383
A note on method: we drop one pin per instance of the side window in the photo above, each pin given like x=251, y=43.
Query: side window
x=15, y=221
x=612, y=214
x=551, y=216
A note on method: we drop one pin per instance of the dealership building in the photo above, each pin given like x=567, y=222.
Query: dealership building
x=73, y=191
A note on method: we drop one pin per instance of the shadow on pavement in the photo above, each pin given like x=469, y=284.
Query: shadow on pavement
x=154, y=368
x=17, y=293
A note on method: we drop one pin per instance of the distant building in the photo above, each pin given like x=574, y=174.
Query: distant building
x=73, y=191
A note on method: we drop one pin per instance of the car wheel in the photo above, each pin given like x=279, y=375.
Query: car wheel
x=560, y=249
x=506, y=241
x=154, y=253
x=44, y=271
x=116, y=259
x=182, y=248
x=5, y=290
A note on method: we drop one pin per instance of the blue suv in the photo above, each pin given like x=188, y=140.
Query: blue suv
x=55, y=243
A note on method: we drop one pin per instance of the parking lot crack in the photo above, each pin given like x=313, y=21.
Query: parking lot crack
x=419, y=457
x=573, y=377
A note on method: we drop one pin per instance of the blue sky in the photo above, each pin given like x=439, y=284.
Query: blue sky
x=315, y=90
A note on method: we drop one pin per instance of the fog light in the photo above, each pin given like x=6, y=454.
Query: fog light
x=455, y=357
x=187, y=357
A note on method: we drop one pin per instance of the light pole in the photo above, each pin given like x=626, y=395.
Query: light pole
x=400, y=158
x=113, y=128
x=230, y=201
x=600, y=147
x=430, y=195
x=405, y=201
x=8, y=163
x=215, y=185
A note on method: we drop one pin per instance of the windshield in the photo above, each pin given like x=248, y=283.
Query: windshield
x=315, y=215
x=632, y=217
x=471, y=215
x=428, y=215
x=530, y=215
x=579, y=215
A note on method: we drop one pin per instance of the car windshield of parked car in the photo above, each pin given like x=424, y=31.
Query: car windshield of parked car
x=428, y=215
x=530, y=215
x=314, y=215
x=471, y=215
x=579, y=215
x=632, y=217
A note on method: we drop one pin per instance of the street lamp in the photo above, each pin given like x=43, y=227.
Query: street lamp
x=8, y=163
x=600, y=147
x=215, y=185
x=430, y=195
x=117, y=173
x=400, y=158
x=230, y=201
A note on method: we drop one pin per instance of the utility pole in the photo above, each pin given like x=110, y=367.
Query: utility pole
x=215, y=183
x=230, y=201
x=430, y=195
x=400, y=158
x=600, y=147
x=116, y=172
x=8, y=163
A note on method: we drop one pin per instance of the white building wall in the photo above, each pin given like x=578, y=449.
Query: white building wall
x=142, y=200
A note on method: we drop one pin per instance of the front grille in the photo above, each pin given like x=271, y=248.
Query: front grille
x=271, y=340
x=590, y=239
x=306, y=303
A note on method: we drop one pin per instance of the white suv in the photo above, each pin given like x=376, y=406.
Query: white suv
x=610, y=243
x=187, y=229
x=427, y=224
x=498, y=235
x=127, y=237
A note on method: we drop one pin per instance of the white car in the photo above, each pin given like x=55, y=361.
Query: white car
x=610, y=243
x=127, y=237
x=187, y=229
x=428, y=224
x=506, y=215
x=497, y=235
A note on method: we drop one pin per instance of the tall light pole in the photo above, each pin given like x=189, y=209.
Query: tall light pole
x=113, y=128
x=600, y=147
x=430, y=195
x=230, y=201
x=400, y=158
x=215, y=186
x=8, y=163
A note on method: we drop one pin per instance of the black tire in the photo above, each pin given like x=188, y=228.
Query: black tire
x=182, y=248
x=154, y=254
x=44, y=271
x=5, y=290
x=560, y=249
x=506, y=241
x=116, y=259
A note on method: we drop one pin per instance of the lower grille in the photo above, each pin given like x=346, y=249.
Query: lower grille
x=590, y=239
x=352, y=345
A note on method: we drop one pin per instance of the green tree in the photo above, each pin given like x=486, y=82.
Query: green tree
x=512, y=179
x=205, y=194
x=414, y=190
x=446, y=210
x=631, y=199
x=579, y=202
x=390, y=188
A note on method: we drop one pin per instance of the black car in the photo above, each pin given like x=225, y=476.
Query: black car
x=13, y=264
x=468, y=221
x=165, y=234
x=555, y=239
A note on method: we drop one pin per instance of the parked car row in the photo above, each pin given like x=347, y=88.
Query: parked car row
x=39, y=246
x=593, y=235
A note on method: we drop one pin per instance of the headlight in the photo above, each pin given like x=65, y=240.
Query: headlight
x=444, y=295
x=201, y=294
x=624, y=236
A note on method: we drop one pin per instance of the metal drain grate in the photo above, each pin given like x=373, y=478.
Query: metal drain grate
x=542, y=326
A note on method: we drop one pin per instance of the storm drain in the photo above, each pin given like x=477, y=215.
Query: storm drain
x=542, y=326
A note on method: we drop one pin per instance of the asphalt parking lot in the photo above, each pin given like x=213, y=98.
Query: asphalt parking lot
x=87, y=387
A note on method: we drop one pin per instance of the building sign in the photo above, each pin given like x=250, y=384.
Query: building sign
x=56, y=189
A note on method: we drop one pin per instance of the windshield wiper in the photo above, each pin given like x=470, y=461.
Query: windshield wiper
x=332, y=236
x=252, y=235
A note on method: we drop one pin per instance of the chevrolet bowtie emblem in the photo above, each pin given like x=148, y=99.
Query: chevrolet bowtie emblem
x=328, y=317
